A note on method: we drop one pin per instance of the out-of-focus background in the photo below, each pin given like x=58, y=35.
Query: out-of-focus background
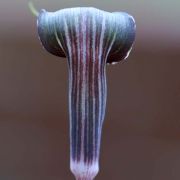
x=141, y=134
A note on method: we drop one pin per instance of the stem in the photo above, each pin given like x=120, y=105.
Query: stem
x=33, y=9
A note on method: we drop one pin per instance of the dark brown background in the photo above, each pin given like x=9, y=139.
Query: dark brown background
x=141, y=134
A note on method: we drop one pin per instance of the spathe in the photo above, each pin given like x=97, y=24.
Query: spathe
x=89, y=38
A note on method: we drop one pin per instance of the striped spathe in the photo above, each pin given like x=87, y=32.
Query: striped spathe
x=89, y=38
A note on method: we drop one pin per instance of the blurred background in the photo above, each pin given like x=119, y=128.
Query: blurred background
x=141, y=134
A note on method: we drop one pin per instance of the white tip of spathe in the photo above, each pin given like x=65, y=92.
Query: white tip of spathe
x=128, y=53
x=84, y=171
